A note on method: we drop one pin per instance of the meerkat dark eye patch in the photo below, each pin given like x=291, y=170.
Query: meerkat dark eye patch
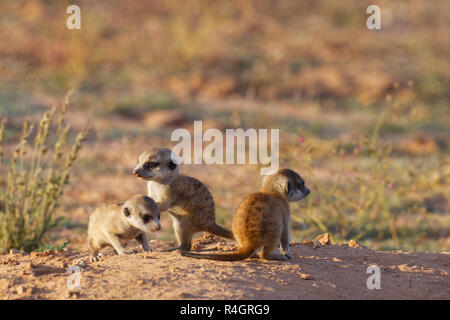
x=126, y=211
x=171, y=165
x=146, y=218
x=151, y=165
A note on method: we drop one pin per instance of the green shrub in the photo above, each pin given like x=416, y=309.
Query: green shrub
x=32, y=180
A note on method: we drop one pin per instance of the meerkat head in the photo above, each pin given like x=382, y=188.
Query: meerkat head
x=287, y=183
x=142, y=213
x=158, y=164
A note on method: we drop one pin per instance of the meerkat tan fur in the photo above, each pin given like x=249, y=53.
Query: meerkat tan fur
x=116, y=224
x=262, y=219
x=187, y=200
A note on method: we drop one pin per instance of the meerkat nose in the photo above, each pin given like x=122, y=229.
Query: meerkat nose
x=136, y=173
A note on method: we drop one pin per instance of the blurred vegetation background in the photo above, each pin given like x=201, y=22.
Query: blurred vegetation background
x=363, y=115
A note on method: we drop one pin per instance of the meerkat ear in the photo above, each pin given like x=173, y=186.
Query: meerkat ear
x=175, y=158
x=283, y=185
x=288, y=187
x=172, y=165
x=126, y=211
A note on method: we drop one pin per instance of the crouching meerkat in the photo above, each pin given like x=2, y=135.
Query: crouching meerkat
x=263, y=218
x=187, y=200
x=116, y=224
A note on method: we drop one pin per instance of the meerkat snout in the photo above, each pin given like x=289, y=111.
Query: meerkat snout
x=297, y=191
x=155, y=224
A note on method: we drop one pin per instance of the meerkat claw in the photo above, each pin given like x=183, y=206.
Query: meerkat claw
x=94, y=259
x=286, y=253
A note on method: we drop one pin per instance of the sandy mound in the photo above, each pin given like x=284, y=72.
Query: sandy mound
x=315, y=272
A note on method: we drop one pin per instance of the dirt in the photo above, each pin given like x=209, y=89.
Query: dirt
x=315, y=272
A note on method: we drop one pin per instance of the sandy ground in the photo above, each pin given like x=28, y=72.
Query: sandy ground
x=326, y=272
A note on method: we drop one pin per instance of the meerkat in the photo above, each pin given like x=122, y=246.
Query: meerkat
x=116, y=224
x=187, y=200
x=262, y=219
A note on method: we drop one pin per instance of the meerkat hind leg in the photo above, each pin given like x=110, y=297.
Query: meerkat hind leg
x=186, y=240
x=268, y=254
x=284, y=240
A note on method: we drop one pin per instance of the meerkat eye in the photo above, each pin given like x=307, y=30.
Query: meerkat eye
x=146, y=218
x=126, y=212
x=301, y=185
x=159, y=215
x=171, y=165
x=151, y=165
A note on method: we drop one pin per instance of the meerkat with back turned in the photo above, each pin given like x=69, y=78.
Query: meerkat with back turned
x=116, y=224
x=187, y=200
x=263, y=218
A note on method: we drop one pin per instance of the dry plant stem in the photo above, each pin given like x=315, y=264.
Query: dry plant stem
x=32, y=189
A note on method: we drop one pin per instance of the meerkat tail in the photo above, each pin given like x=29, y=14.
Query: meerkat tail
x=229, y=256
x=220, y=231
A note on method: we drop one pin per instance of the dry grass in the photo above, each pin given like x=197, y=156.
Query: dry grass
x=34, y=182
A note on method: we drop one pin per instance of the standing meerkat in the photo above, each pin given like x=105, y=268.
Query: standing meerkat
x=263, y=218
x=187, y=200
x=116, y=224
